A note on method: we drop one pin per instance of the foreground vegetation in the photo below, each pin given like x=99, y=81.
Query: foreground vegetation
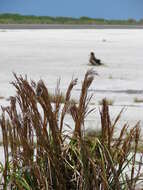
x=20, y=19
x=39, y=154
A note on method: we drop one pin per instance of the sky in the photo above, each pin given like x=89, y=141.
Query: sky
x=108, y=9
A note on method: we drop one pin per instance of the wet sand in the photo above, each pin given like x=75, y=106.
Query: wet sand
x=65, y=26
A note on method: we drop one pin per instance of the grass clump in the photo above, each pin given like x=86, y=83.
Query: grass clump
x=61, y=97
x=110, y=77
x=39, y=155
x=138, y=100
x=110, y=102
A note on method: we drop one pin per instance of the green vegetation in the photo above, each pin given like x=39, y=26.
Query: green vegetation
x=40, y=155
x=20, y=19
x=110, y=77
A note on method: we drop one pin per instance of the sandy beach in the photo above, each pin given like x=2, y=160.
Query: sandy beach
x=53, y=54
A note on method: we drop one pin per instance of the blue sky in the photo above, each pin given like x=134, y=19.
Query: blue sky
x=109, y=9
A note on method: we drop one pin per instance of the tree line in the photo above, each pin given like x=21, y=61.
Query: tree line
x=31, y=19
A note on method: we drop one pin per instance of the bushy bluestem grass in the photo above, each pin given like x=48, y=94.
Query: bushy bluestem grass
x=39, y=155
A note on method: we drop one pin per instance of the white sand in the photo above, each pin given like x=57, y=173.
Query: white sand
x=50, y=54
